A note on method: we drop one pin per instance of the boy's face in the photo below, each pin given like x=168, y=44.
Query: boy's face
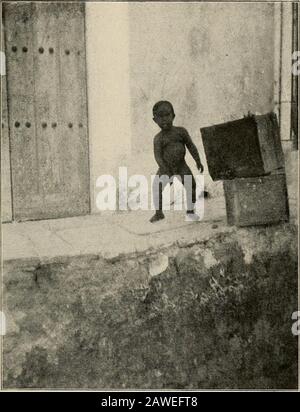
x=164, y=117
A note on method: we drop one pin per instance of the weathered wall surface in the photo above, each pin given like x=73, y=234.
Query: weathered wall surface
x=214, y=62
x=214, y=314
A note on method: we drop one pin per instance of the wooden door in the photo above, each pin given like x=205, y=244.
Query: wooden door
x=6, y=211
x=47, y=109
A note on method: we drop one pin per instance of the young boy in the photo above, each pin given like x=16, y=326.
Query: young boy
x=169, y=152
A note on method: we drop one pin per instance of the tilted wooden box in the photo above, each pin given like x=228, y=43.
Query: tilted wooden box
x=243, y=148
x=256, y=200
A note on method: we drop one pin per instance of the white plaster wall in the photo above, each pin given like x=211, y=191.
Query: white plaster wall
x=107, y=47
x=214, y=62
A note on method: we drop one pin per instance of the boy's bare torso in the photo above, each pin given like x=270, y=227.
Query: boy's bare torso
x=170, y=149
x=172, y=146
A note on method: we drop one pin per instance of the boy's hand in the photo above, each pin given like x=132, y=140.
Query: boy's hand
x=201, y=168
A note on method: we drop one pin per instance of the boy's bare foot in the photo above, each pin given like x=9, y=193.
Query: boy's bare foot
x=191, y=216
x=157, y=217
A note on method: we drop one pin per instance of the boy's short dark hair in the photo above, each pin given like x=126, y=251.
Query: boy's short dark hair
x=160, y=103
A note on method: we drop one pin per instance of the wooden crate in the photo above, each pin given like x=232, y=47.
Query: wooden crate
x=256, y=201
x=243, y=148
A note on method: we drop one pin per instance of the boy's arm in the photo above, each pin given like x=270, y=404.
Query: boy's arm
x=192, y=149
x=158, y=154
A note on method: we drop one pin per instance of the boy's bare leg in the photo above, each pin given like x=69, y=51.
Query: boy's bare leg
x=157, y=196
x=190, y=188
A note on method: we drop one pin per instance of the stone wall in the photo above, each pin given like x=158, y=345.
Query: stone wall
x=209, y=314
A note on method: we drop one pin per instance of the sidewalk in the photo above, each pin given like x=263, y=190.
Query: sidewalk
x=107, y=234
x=111, y=234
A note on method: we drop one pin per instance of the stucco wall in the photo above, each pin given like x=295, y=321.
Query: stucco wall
x=215, y=62
x=107, y=45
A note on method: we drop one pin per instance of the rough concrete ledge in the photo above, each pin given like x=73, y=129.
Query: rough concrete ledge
x=213, y=312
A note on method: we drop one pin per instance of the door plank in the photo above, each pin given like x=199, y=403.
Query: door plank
x=46, y=64
x=72, y=58
x=21, y=105
x=6, y=201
